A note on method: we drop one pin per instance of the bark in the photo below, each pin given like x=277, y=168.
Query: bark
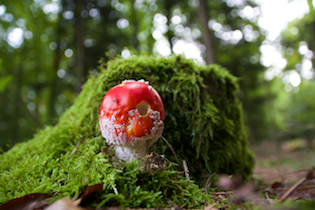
x=135, y=23
x=203, y=15
x=80, y=47
x=168, y=5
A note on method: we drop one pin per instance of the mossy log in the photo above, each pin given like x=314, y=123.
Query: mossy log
x=203, y=123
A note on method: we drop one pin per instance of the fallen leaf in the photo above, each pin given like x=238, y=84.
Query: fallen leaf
x=87, y=194
x=310, y=175
x=27, y=202
x=276, y=185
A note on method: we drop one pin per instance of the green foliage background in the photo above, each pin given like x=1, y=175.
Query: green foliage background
x=43, y=80
x=203, y=123
x=296, y=107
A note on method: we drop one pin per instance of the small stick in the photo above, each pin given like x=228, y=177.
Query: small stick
x=291, y=189
x=171, y=148
x=75, y=149
x=208, y=182
x=182, y=206
x=221, y=193
x=283, y=189
x=210, y=207
x=267, y=195
x=186, y=170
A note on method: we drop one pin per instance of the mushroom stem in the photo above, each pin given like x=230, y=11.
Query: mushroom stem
x=130, y=152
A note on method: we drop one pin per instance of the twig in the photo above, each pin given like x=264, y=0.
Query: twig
x=301, y=188
x=291, y=189
x=309, y=176
x=75, y=149
x=208, y=183
x=171, y=148
x=186, y=170
x=221, y=193
x=210, y=207
x=182, y=206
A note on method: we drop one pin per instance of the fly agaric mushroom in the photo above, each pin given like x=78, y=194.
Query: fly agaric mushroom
x=132, y=118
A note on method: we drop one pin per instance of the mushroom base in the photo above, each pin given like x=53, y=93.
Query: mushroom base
x=129, y=152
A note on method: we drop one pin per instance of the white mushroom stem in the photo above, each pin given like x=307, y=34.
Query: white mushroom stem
x=130, y=152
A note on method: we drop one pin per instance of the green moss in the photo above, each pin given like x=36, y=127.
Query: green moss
x=203, y=123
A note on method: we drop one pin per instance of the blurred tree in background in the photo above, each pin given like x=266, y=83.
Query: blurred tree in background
x=49, y=47
x=298, y=104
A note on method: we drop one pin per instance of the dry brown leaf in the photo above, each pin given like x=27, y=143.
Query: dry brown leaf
x=87, y=195
x=276, y=185
x=27, y=202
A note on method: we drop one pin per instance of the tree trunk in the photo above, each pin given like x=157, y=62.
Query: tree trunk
x=168, y=5
x=135, y=22
x=80, y=46
x=203, y=15
x=51, y=102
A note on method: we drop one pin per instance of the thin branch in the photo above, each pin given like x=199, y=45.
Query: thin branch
x=292, y=189
x=208, y=182
x=210, y=206
x=75, y=149
x=309, y=176
x=173, y=151
x=186, y=170
x=283, y=189
x=221, y=193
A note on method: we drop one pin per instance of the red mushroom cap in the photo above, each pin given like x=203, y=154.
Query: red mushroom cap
x=131, y=111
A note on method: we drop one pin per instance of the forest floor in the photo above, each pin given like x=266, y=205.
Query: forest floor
x=283, y=174
x=284, y=171
x=284, y=162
